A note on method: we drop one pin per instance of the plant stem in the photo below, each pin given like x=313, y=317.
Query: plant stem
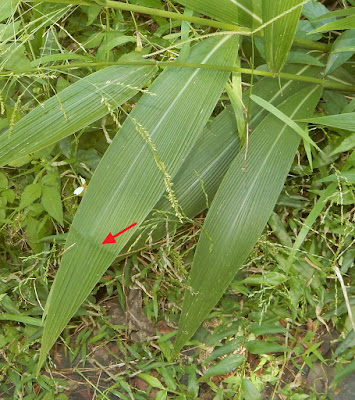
x=308, y=44
x=327, y=84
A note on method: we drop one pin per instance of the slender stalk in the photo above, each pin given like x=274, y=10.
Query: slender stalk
x=327, y=84
x=308, y=44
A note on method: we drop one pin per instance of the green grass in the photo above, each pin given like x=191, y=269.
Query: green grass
x=290, y=307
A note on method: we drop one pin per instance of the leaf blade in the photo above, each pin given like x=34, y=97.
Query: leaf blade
x=281, y=19
x=72, y=109
x=343, y=121
x=234, y=233
x=118, y=183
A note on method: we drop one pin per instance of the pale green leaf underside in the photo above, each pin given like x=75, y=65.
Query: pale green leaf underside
x=240, y=210
x=127, y=183
x=240, y=12
x=72, y=109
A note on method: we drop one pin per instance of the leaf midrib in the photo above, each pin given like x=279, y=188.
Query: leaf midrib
x=132, y=166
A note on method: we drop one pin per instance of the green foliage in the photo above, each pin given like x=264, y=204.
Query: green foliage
x=150, y=126
x=81, y=104
x=280, y=21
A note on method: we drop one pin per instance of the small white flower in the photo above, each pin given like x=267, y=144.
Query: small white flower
x=78, y=191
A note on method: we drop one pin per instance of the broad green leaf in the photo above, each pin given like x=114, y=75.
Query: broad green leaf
x=240, y=210
x=21, y=318
x=348, y=176
x=263, y=347
x=342, y=121
x=151, y=380
x=240, y=12
x=334, y=14
x=192, y=383
x=266, y=328
x=271, y=278
x=347, y=144
x=51, y=198
x=227, y=348
x=199, y=177
x=249, y=390
x=314, y=9
x=30, y=194
x=280, y=19
x=292, y=124
x=117, y=41
x=211, y=156
x=342, y=49
x=32, y=233
x=301, y=57
x=133, y=175
x=228, y=364
x=338, y=25
x=3, y=181
x=161, y=395
x=7, y=8
x=13, y=57
x=72, y=109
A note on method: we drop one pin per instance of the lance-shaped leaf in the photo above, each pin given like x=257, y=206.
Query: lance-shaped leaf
x=133, y=175
x=199, y=177
x=281, y=19
x=240, y=210
x=74, y=108
x=342, y=50
x=241, y=12
x=342, y=121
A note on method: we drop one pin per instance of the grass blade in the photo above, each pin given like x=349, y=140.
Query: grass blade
x=280, y=19
x=72, y=109
x=212, y=155
x=240, y=210
x=342, y=121
x=133, y=175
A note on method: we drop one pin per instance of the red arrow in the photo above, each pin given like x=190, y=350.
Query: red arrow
x=111, y=238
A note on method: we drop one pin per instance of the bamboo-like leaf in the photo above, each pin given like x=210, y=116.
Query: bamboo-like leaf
x=240, y=210
x=339, y=24
x=283, y=117
x=72, y=109
x=134, y=173
x=241, y=12
x=199, y=177
x=226, y=365
x=343, y=48
x=281, y=19
x=342, y=121
x=345, y=12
